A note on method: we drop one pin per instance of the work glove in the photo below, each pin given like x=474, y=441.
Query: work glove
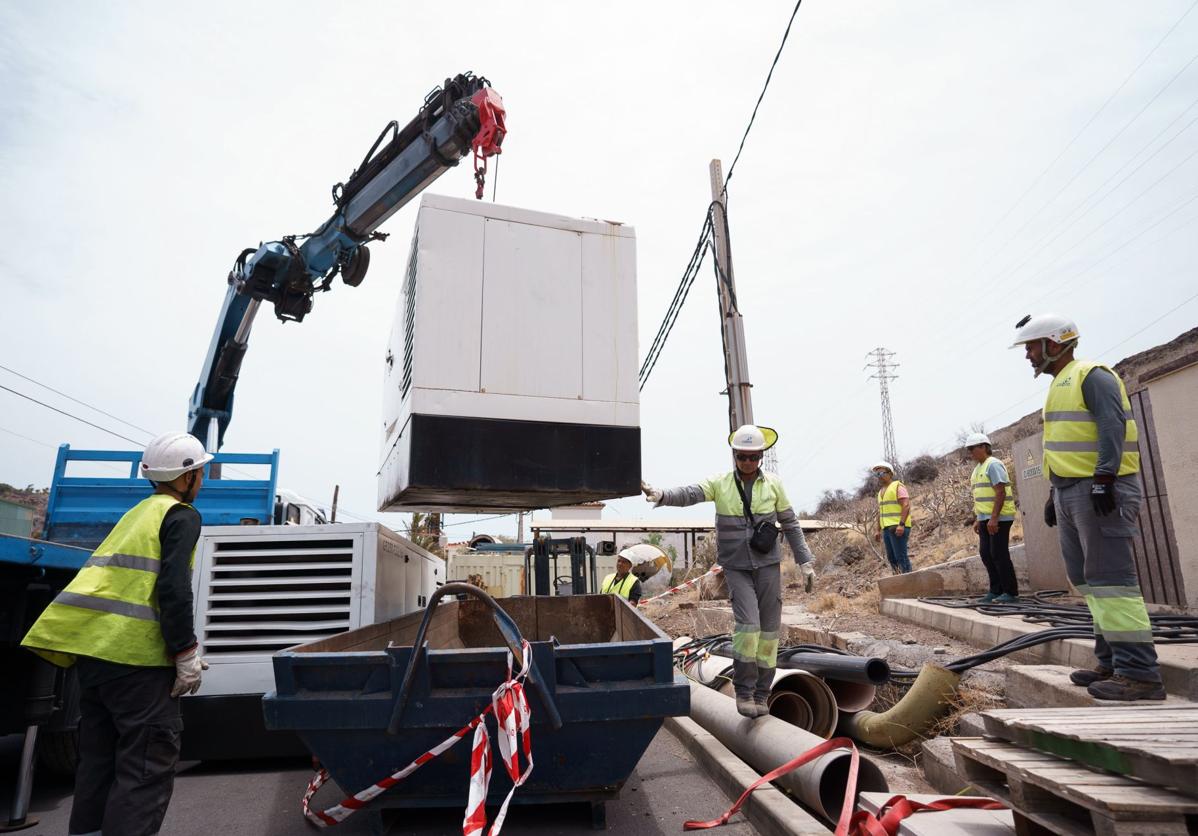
x=188, y=666
x=1050, y=513
x=808, y=570
x=651, y=493
x=1102, y=495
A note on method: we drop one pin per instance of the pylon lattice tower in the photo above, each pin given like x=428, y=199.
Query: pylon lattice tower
x=883, y=365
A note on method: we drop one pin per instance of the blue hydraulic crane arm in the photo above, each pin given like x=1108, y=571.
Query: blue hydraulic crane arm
x=462, y=116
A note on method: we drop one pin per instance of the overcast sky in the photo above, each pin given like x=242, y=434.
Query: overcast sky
x=921, y=174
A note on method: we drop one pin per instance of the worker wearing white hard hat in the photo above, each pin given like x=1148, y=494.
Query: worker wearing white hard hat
x=994, y=510
x=894, y=517
x=751, y=509
x=622, y=582
x=125, y=623
x=1092, y=459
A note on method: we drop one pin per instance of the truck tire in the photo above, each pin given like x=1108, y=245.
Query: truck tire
x=58, y=752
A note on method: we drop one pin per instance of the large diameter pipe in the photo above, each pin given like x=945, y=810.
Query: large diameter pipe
x=816, y=693
x=929, y=699
x=765, y=743
x=851, y=696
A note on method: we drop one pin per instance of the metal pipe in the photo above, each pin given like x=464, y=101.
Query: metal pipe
x=18, y=818
x=242, y=335
x=929, y=698
x=870, y=670
x=766, y=742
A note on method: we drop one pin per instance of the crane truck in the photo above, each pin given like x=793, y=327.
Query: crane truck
x=260, y=584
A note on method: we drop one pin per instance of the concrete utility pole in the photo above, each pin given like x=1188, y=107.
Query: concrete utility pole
x=883, y=366
x=736, y=361
x=736, y=358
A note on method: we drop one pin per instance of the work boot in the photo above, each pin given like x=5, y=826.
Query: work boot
x=1005, y=598
x=1086, y=677
x=747, y=706
x=1126, y=690
x=988, y=597
x=763, y=707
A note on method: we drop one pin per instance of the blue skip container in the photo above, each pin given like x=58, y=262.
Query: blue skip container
x=368, y=702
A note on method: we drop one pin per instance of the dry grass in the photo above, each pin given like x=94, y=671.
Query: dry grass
x=823, y=603
x=966, y=700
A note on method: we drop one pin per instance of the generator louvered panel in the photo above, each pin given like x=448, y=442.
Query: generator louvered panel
x=266, y=595
x=409, y=317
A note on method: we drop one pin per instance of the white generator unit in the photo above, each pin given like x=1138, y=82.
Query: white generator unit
x=261, y=589
x=511, y=375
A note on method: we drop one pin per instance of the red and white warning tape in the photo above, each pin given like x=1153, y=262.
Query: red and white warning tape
x=513, y=717
x=715, y=570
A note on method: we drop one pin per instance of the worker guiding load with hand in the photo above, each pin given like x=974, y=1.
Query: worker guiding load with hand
x=126, y=623
x=751, y=510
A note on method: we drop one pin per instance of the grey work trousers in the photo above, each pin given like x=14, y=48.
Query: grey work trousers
x=128, y=746
x=757, y=613
x=1100, y=562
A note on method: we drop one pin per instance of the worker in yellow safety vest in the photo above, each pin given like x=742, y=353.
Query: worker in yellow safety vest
x=125, y=622
x=1092, y=459
x=751, y=509
x=622, y=582
x=994, y=509
x=894, y=517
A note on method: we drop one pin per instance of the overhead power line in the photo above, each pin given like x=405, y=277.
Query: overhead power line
x=71, y=416
x=761, y=96
x=76, y=400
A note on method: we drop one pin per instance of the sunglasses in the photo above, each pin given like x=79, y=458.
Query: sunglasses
x=748, y=457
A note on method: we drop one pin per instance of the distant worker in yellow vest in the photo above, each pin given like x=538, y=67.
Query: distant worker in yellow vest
x=126, y=624
x=622, y=582
x=1092, y=458
x=994, y=509
x=894, y=517
x=751, y=509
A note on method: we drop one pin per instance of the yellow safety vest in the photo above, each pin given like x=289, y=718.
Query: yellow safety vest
x=622, y=588
x=769, y=497
x=983, y=494
x=110, y=609
x=890, y=512
x=1070, y=432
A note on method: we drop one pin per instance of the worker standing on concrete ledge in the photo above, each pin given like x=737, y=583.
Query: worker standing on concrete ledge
x=994, y=505
x=1092, y=458
x=751, y=507
x=622, y=582
x=894, y=517
x=125, y=621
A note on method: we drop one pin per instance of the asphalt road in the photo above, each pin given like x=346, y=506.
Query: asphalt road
x=666, y=788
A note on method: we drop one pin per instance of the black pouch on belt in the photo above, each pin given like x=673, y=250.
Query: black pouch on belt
x=765, y=533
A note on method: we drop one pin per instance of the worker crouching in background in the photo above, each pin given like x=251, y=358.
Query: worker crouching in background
x=894, y=517
x=125, y=621
x=994, y=507
x=1092, y=458
x=622, y=582
x=751, y=509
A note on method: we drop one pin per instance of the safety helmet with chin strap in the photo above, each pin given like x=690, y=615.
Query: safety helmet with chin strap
x=1046, y=327
x=171, y=455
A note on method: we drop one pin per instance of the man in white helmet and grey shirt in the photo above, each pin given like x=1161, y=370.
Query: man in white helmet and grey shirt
x=751, y=509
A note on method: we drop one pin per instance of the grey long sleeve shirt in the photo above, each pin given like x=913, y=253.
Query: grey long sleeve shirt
x=1100, y=391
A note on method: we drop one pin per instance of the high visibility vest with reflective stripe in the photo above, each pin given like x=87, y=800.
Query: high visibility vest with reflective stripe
x=983, y=494
x=890, y=512
x=622, y=588
x=110, y=609
x=1070, y=433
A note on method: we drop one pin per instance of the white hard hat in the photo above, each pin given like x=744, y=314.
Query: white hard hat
x=751, y=438
x=171, y=455
x=974, y=439
x=886, y=465
x=1059, y=329
x=650, y=564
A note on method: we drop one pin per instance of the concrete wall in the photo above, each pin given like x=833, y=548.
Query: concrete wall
x=1174, y=406
x=1045, y=568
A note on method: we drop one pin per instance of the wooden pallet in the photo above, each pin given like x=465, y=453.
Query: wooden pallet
x=1155, y=743
x=1071, y=799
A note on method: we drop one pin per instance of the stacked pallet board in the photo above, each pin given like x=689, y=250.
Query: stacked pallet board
x=1108, y=770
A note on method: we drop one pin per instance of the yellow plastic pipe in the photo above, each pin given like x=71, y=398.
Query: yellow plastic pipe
x=929, y=699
